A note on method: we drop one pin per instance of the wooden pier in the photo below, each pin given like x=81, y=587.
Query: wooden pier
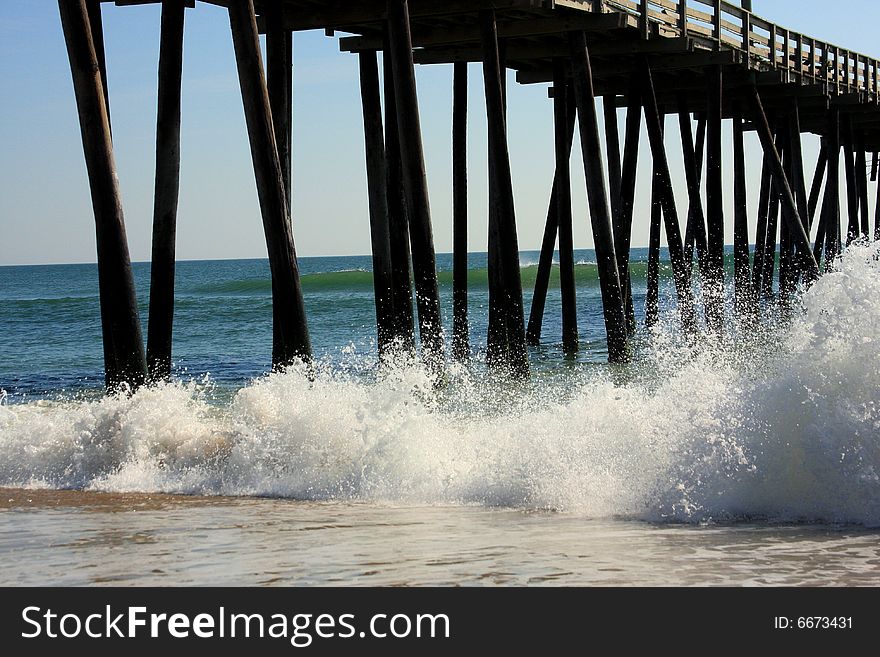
x=706, y=60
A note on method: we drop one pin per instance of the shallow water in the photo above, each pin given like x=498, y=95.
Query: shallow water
x=73, y=538
x=753, y=461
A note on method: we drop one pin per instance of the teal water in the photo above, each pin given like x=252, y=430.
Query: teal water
x=50, y=333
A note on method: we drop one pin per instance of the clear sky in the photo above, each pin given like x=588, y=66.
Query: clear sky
x=45, y=209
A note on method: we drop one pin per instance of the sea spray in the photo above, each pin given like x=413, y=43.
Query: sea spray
x=780, y=425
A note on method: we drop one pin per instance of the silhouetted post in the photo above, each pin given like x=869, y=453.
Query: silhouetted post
x=862, y=182
x=398, y=223
x=741, y=273
x=548, y=245
x=696, y=218
x=624, y=219
x=380, y=233
x=460, y=331
x=798, y=183
x=161, y=323
x=770, y=243
x=799, y=235
x=852, y=185
x=603, y=238
x=761, y=228
x=291, y=340
x=681, y=270
x=563, y=208
x=877, y=215
x=124, y=360
x=652, y=277
x=415, y=183
x=612, y=147
x=816, y=187
x=786, y=268
x=713, y=284
x=505, y=283
x=831, y=204
x=96, y=26
x=279, y=78
x=695, y=231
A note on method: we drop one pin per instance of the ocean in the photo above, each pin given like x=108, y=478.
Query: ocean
x=747, y=459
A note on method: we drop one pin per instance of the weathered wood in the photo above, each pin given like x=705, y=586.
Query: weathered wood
x=787, y=276
x=548, y=246
x=506, y=347
x=563, y=208
x=681, y=270
x=380, y=231
x=695, y=231
x=761, y=228
x=743, y=294
x=624, y=219
x=696, y=218
x=612, y=148
x=713, y=283
x=862, y=183
x=816, y=187
x=291, y=335
x=398, y=223
x=166, y=194
x=799, y=235
x=652, y=277
x=831, y=204
x=96, y=25
x=877, y=215
x=460, y=327
x=795, y=172
x=279, y=78
x=414, y=182
x=771, y=241
x=124, y=359
x=603, y=238
x=852, y=184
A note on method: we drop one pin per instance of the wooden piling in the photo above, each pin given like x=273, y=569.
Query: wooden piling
x=563, y=208
x=743, y=296
x=548, y=246
x=862, y=183
x=506, y=346
x=460, y=329
x=398, y=223
x=762, y=223
x=695, y=231
x=799, y=235
x=681, y=270
x=696, y=217
x=831, y=204
x=380, y=232
x=167, y=188
x=603, y=238
x=279, y=79
x=624, y=219
x=816, y=186
x=652, y=276
x=414, y=181
x=612, y=148
x=291, y=340
x=96, y=26
x=124, y=359
x=713, y=284
x=852, y=184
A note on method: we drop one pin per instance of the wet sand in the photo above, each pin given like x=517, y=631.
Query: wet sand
x=50, y=537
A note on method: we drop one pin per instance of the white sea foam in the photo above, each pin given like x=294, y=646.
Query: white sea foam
x=786, y=432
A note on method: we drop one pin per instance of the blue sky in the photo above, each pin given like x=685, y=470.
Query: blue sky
x=45, y=210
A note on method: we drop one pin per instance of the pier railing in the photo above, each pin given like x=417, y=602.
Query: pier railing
x=715, y=24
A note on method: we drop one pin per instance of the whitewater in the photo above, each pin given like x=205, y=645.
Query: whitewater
x=773, y=426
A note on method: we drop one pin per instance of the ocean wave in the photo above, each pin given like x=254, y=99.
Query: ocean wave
x=779, y=426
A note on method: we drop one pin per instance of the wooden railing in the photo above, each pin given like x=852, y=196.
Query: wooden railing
x=718, y=24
